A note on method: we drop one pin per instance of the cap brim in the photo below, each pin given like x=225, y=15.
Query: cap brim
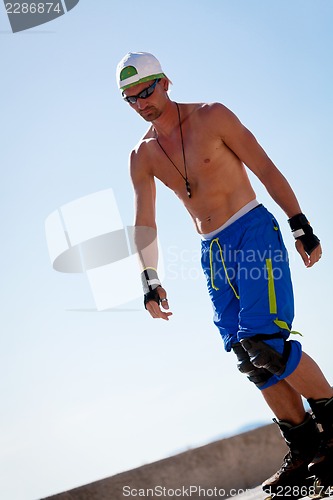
x=142, y=80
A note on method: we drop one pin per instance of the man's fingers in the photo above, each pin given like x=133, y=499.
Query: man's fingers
x=156, y=312
x=302, y=252
x=164, y=303
x=309, y=260
x=163, y=298
x=154, y=308
x=315, y=255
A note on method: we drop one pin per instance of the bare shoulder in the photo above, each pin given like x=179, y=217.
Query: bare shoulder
x=216, y=111
x=215, y=116
x=219, y=121
x=140, y=160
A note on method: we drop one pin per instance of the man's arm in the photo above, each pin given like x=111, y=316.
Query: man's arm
x=145, y=233
x=243, y=143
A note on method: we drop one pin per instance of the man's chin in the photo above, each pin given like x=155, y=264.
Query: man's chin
x=150, y=115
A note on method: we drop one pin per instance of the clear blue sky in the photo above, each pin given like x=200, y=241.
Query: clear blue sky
x=87, y=394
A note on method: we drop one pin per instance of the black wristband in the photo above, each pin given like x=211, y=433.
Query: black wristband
x=152, y=295
x=150, y=283
x=301, y=230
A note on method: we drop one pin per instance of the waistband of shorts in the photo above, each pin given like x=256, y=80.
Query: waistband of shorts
x=246, y=208
x=256, y=212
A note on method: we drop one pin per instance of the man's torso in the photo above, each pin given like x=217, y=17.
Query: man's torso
x=218, y=180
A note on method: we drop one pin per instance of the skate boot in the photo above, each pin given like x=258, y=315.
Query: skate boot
x=321, y=467
x=291, y=480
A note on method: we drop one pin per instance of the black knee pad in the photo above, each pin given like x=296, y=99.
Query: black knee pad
x=259, y=376
x=264, y=356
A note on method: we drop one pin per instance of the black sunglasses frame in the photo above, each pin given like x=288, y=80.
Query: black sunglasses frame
x=144, y=94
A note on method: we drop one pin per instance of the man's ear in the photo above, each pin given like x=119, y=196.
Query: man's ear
x=165, y=84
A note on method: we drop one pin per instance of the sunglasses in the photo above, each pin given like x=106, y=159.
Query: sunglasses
x=131, y=99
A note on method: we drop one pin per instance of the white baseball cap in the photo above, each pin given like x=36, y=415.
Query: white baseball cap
x=138, y=67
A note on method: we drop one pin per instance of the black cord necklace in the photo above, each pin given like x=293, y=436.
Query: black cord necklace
x=187, y=184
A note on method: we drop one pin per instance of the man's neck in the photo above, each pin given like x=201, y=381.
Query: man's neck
x=168, y=121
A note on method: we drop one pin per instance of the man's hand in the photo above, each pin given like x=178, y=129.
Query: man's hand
x=155, y=310
x=311, y=259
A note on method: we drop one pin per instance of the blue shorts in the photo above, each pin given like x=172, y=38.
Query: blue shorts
x=248, y=277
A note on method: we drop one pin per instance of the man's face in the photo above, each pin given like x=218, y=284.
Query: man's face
x=150, y=107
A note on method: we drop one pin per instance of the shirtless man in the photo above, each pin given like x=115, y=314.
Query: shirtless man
x=199, y=151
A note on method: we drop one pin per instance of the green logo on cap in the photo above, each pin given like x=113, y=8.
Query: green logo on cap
x=127, y=72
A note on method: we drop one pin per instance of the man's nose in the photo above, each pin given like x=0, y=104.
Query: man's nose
x=140, y=104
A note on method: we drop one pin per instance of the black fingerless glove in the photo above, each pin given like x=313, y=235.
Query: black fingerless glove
x=150, y=283
x=301, y=230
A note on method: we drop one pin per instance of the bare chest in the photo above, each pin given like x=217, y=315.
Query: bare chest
x=199, y=161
